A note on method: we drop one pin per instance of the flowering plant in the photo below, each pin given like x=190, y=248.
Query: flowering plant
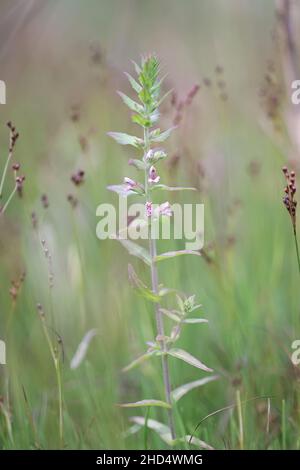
x=146, y=114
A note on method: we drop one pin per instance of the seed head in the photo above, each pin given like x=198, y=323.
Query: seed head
x=78, y=177
x=45, y=201
x=290, y=190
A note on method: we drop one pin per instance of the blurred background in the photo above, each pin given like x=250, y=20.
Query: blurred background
x=62, y=62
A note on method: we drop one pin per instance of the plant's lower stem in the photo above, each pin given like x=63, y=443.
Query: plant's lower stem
x=60, y=403
x=4, y=173
x=297, y=248
x=240, y=417
x=8, y=200
x=56, y=363
x=161, y=332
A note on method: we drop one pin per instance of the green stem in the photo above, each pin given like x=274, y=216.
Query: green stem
x=297, y=248
x=240, y=417
x=4, y=173
x=60, y=402
x=8, y=201
x=58, y=379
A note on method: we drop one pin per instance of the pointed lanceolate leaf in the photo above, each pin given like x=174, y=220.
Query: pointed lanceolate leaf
x=157, y=136
x=173, y=254
x=141, y=120
x=184, y=389
x=138, y=361
x=136, y=107
x=82, y=349
x=126, y=139
x=196, y=442
x=140, y=287
x=161, y=429
x=172, y=315
x=138, y=164
x=195, y=320
x=137, y=67
x=149, y=402
x=171, y=188
x=135, y=85
x=164, y=97
x=187, y=357
x=136, y=250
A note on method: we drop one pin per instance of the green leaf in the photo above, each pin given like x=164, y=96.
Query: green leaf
x=140, y=287
x=188, y=358
x=173, y=254
x=136, y=250
x=164, y=432
x=195, y=320
x=138, y=164
x=149, y=402
x=164, y=97
x=157, y=136
x=135, y=85
x=170, y=188
x=141, y=120
x=161, y=429
x=126, y=139
x=140, y=360
x=196, y=442
x=133, y=105
x=137, y=67
x=173, y=316
x=184, y=389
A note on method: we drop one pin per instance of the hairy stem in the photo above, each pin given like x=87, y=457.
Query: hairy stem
x=158, y=314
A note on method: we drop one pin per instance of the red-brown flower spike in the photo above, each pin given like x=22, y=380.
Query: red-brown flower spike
x=290, y=190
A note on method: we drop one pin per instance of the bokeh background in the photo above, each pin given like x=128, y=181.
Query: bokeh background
x=62, y=62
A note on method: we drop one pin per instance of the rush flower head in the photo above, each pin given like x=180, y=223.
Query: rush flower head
x=19, y=184
x=78, y=177
x=45, y=201
x=290, y=191
x=153, y=176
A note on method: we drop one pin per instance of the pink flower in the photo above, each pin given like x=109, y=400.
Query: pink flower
x=153, y=176
x=149, y=209
x=130, y=184
x=165, y=209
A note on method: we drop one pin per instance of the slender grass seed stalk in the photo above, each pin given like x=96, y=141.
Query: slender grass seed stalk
x=291, y=204
x=19, y=180
x=56, y=362
x=146, y=115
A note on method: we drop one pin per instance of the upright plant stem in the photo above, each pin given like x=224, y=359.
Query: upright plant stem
x=4, y=172
x=8, y=200
x=240, y=417
x=56, y=363
x=297, y=248
x=161, y=333
x=158, y=314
